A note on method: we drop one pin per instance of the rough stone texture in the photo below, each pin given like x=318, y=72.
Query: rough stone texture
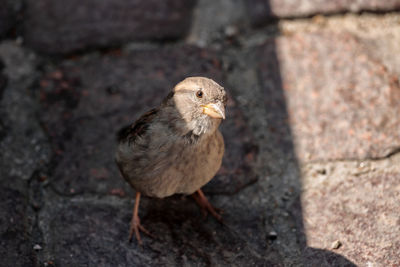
x=75, y=209
x=15, y=243
x=210, y=25
x=380, y=34
x=342, y=103
x=54, y=27
x=24, y=150
x=183, y=237
x=272, y=205
x=261, y=11
x=357, y=204
x=24, y=146
x=8, y=15
x=86, y=102
x=3, y=80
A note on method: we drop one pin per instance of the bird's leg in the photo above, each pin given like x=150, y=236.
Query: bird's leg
x=135, y=222
x=206, y=205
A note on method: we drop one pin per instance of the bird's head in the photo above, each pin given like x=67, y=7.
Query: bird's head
x=201, y=103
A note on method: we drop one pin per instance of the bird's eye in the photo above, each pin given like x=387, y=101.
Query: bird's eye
x=199, y=94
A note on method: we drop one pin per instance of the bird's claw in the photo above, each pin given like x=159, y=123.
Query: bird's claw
x=135, y=228
x=206, y=206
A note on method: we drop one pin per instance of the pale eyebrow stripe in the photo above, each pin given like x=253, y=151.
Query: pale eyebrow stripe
x=188, y=91
x=183, y=91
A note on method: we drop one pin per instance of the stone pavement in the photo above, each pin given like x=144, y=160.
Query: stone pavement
x=311, y=174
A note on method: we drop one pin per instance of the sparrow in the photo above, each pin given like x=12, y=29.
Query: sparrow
x=175, y=148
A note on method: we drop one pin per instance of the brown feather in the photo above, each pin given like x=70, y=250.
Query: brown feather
x=138, y=128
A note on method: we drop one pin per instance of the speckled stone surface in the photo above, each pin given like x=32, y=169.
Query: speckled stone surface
x=355, y=208
x=342, y=102
x=310, y=174
x=261, y=11
x=24, y=149
x=8, y=15
x=56, y=27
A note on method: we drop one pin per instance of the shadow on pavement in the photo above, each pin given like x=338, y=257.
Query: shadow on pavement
x=283, y=154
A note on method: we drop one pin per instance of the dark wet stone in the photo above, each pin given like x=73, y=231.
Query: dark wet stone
x=55, y=27
x=82, y=117
x=8, y=15
x=3, y=80
x=23, y=151
x=359, y=211
x=87, y=233
x=15, y=243
x=261, y=11
x=322, y=257
x=342, y=103
x=23, y=145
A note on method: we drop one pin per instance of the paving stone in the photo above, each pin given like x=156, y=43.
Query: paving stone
x=24, y=150
x=54, y=27
x=85, y=102
x=359, y=210
x=305, y=108
x=3, y=79
x=23, y=144
x=15, y=249
x=8, y=15
x=84, y=232
x=261, y=11
x=273, y=203
x=342, y=103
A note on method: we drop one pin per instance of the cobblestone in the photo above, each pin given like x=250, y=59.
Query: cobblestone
x=58, y=27
x=261, y=11
x=311, y=133
x=8, y=15
x=341, y=101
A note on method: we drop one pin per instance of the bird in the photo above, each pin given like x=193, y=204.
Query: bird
x=176, y=147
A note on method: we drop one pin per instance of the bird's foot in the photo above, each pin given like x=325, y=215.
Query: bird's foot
x=136, y=227
x=206, y=206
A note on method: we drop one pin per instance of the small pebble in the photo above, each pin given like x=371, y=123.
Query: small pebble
x=37, y=247
x=361, y=164
x=286, y=195
x=272, y=235
x=231, y=31
x=49, y=263
x=337, y=244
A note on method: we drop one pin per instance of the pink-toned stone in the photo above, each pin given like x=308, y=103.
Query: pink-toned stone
x=263, y=10
x=341, y=102
x=359, y=211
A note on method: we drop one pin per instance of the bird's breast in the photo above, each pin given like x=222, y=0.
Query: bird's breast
x=186, y=169
x=159, y=169
x=198, y=166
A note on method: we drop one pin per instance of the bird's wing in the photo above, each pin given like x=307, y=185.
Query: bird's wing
x=138, y=128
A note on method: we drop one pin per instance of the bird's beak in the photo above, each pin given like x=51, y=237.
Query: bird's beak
x=214, y=110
